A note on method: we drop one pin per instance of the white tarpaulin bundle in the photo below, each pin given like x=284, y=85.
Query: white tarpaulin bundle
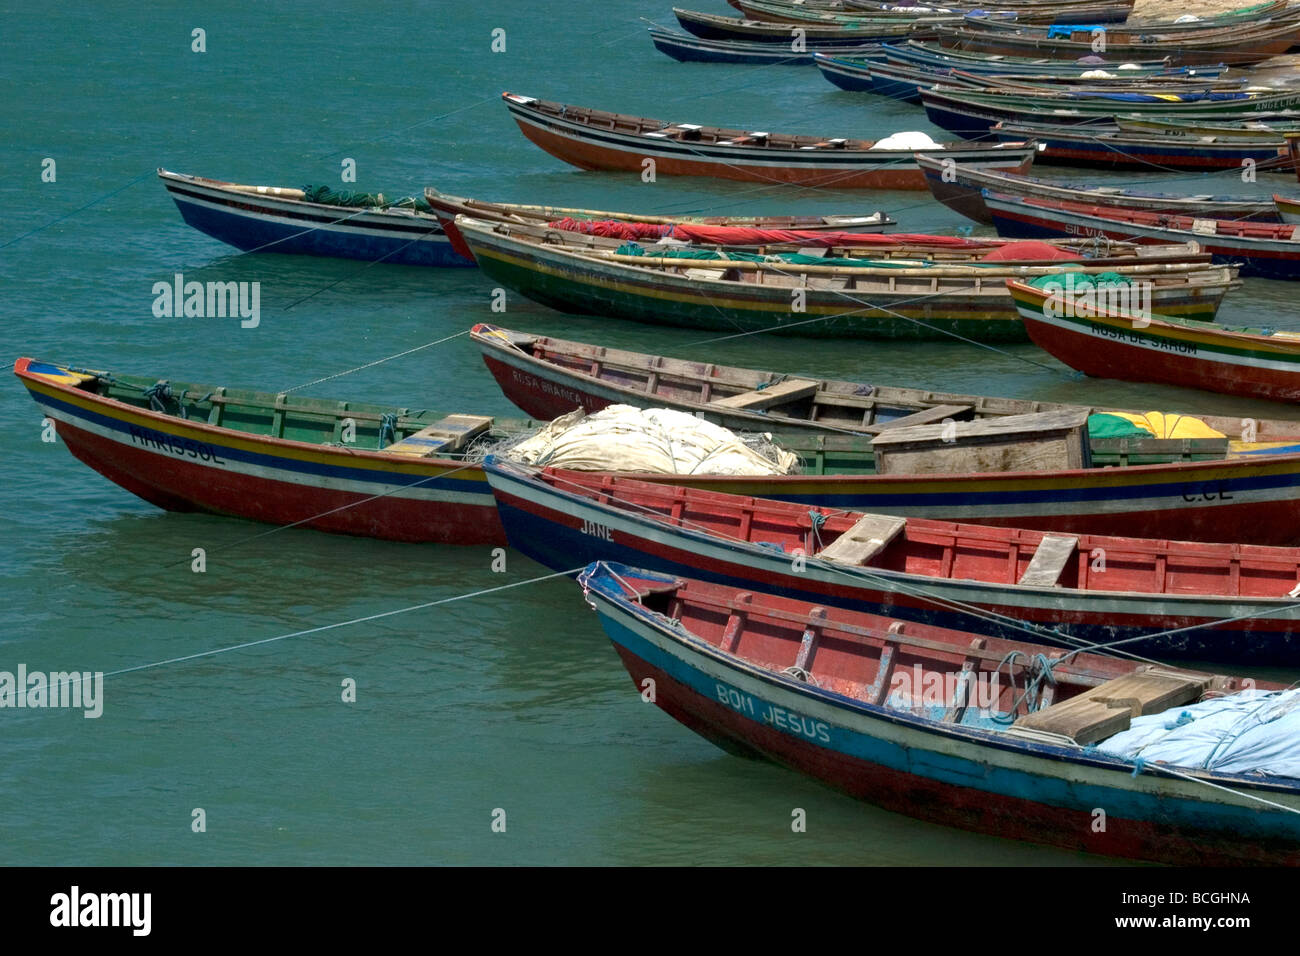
x=653, y=440
x=910, y=139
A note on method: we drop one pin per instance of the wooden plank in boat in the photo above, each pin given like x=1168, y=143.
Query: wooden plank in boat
x=1108, y=708
x=1042, y=441
x=927, y=416
x=1146, y=451
x=869, y=535
x=1049, y=560
x=788, y=391
x=443, y=436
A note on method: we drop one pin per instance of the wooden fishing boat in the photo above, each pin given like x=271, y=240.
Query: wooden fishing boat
x=1269, y=250
x=888, y=300
x=692, y=49
x=972, y=112
x=776, y=11
x=1098, y=148
x=933, y=56
x=401, y=494
x=710, y=26
x=824, y=249
x=548, y=377
x=403, y=476
x=961, y=190
x=1238, y=45
x=280, y=219
x=594, y=139
x=1228, y=603
x=905, y=81
x=819, y=691
x=733, y=231
x=1037, y=11
x=1270, y=127
x=1109, y=343
x=1249, y=17
x=1288, y=209
x=901, y=83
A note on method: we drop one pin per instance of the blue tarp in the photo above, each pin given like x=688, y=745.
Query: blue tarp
x=1245, y=733
x=1161, y=98
x=1062, y=31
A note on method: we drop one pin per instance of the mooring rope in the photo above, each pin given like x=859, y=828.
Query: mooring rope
x=330, y=627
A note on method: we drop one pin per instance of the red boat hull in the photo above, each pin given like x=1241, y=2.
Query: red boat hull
x=592, y=156
x=179, y=484
x=1106, y=358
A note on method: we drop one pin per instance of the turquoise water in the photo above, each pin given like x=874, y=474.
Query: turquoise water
x=511, y=701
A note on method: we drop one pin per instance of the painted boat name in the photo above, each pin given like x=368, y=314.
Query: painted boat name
x=1123, y=335
x=550, y=388
x=181, y=447
x=776, y=716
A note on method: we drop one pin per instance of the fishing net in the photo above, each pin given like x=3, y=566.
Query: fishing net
x=328, y=196
x=1080, y=281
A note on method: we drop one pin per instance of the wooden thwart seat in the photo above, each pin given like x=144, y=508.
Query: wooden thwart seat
x=869, y=535
x=1108, y=708
x=1049, y=560
x=788, y=391
x=927, y=416
x=442, y=437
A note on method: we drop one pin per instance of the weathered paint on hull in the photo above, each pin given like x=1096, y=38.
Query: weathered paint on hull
x=591, y=149
x=1242, y=53
x=1029, y=222
x=966, y=197
x=424, y=501
x=647, y=302
x=591, y=156
x=1254, y=502
x=658, y=298
x=548, y=398
x=557, y=531
x=1035, y=794
x=1117, y=350
x=1102, y=154
x=260, y=227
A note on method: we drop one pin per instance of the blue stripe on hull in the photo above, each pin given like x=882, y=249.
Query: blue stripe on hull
x=1120, y=804
x=300, y=238
x=559, y=548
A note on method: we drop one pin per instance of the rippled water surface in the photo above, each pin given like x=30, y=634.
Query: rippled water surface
x=513, y=701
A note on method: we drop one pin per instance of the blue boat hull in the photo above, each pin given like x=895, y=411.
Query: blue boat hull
x=418, y=247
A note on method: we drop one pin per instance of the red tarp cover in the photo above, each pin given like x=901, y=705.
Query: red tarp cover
x=1030, y=249
x=741, y=235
